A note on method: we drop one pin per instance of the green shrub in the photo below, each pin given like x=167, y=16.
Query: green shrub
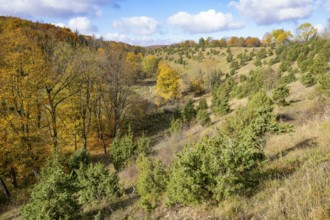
x=229, y=57
x=274, y=60
x=78, y=157
x=225, y=165
x=320, y=64
x=261, y=54
x=213, y=168
x=242, y=78
x=54, y=196
x=203, y=117
x=324, y=86
x=288, y=78
x=232, y=71
x=256, y=116
x=152, y=181
x=305, y=64
x=280, y=94
x=143, y=145
x=285, y=66
x=253, y=83
x=122, y=150
x=202, y=104
x=176, y=126
x=220, y=105
x=234, y=65
x=257, y=62
x=220, y=97
x=308, y=80
x=96, y=183
x=191, y=176
x=189, y=112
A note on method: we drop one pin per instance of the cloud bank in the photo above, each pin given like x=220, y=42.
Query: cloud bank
x=204, y=22
x=54, y=8
x=265, y=12
x=136, y=25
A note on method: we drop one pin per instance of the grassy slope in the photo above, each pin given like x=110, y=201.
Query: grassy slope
x=295, y=182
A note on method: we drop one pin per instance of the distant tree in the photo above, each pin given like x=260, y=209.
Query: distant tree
x=236, y=42
x=281, y=36
x=267, y=39
x=149, y=65
x=223, y=42
x=201, y=42
x=133, y=61
x=252, y=42
x=306, y=32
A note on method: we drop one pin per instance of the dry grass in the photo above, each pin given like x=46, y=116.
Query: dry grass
x=295, y=181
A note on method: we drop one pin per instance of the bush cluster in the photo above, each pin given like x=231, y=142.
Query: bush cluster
x=59, y=195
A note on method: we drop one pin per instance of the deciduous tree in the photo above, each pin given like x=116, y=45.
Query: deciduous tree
x=167, y=81
x=306, y=32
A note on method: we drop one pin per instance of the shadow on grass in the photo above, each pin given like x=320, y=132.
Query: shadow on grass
x=156, y=123
x=284, y=118
x=146, y=82
x=124, y=202
x=278, y=172
x=307, y=143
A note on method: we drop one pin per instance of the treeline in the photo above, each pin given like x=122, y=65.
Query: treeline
x=304, y=32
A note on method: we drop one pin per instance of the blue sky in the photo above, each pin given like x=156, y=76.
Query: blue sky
x=150, y=22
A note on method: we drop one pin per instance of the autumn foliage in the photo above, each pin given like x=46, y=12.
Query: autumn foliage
x=167, y=81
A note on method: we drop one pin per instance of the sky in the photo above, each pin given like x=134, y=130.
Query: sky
x=159, y=22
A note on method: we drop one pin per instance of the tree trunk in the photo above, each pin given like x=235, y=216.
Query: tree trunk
x=4, y=189
x=13, y=177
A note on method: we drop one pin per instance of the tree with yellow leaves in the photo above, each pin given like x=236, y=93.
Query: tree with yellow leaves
x=280, y=36
x=133, y=61
x=22, y=139
x=167, y=81
x=149, y=65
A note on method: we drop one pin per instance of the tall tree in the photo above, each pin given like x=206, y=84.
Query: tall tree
x=306, y=32
x=84, y=88
x=117, y=78
x=149, y=65
x=56, y=87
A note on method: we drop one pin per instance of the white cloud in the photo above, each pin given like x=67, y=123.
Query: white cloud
x=116, y=37
x=137, y=25
x=320, y=28
x=204, y=22
x=269, y=12
x=82, y=24
x=137, y=40
x=53, y=8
